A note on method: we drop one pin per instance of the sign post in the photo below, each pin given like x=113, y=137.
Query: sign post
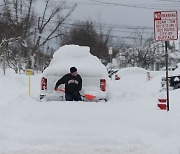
x=166, y=29
x=29, y=72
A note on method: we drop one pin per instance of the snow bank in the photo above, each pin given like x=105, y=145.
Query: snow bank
x=129, y=71
x=71, y=51
x=129, y=123
x=132, y=70
x=78, y=56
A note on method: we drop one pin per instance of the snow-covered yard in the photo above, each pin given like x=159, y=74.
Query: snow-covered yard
x=129, y=123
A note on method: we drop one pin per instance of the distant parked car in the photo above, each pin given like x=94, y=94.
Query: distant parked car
x=94, y=74
x=173, y=80
x=169, y=68
x=111, y=72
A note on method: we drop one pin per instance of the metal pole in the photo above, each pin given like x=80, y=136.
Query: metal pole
x=167, y=81
x=29, y=85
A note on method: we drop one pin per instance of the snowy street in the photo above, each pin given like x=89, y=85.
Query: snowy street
x=89, y=77
x=129, y=123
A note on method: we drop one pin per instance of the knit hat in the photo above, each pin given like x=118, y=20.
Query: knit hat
x=73, y=69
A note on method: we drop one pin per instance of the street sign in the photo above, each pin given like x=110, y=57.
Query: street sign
x=29, y=71
x=165, y=25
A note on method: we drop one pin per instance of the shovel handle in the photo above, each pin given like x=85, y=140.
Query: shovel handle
x=61, y=90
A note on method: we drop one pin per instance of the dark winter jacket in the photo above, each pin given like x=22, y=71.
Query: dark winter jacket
x=72, y=83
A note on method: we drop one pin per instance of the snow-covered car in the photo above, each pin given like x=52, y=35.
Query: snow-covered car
x=94, y=74
x=111, y=72
x=173, y=82
x=169, y=68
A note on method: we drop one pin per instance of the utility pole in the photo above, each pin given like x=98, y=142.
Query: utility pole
x=167, y=79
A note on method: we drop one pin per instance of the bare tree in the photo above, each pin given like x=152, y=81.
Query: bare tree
x=87, y=33
x=143, y=54
x=15, y=29
x=53, y=18
x=81, y=33
x=18, y=20
x=48, y=24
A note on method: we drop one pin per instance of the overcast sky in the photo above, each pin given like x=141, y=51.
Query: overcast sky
x=124, y=14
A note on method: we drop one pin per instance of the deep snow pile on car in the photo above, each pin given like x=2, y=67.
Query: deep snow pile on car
x=93, y=72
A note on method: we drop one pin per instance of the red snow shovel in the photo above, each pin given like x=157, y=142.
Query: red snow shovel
x=87, y=96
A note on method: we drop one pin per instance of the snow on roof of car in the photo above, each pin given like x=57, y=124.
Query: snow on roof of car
x=77, y=56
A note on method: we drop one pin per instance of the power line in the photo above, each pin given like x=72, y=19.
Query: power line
x=140, y=5
x=115, y=28
x=146, y=6
x=170, y=0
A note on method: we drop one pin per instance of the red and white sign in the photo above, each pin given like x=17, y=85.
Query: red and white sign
x=165, y=25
